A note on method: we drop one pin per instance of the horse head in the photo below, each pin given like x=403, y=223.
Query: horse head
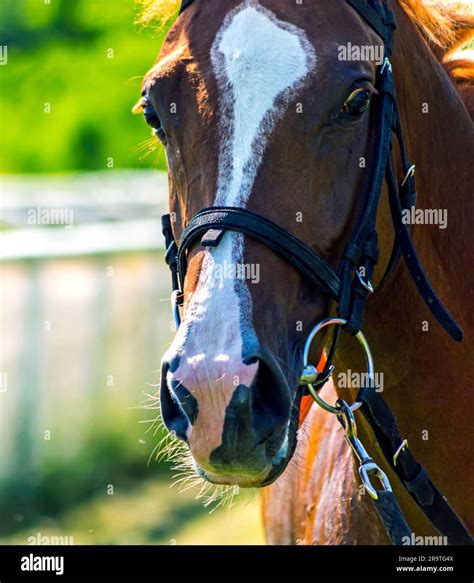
x=258, y=107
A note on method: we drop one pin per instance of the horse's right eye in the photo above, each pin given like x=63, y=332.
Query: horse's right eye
x=153, y=120
x=357, y=103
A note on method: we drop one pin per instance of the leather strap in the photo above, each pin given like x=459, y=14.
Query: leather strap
x=171, y=253
x=412, y=475
x=380, y=19
x=418, y=274
x=392, y=518
x=408, y=198
x=212, y=222
x=354, y=294
x=185, y=4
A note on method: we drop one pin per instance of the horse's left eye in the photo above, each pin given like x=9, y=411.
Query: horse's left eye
x=357, y=103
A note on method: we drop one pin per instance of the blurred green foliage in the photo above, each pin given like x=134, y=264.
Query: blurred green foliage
x=112, y=451
x=150, y=512
x=84, y=60
x=57, y=485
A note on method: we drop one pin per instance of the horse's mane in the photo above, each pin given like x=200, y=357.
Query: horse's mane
x=448, y=26
x=443, y=22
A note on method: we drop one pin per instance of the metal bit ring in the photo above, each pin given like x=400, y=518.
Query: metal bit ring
x=307, y=347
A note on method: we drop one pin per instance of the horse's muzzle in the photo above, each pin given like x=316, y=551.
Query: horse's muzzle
x=234, y=416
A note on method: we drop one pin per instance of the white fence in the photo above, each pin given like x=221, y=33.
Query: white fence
x=84, y=315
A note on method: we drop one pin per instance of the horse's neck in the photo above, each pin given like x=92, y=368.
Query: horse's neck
x=438, y=132
x=426, y=375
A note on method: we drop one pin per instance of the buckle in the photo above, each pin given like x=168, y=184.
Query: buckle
x=176, y=299
x=386, y=65
x=410, y=173
x=365, y=283
x=401, y=447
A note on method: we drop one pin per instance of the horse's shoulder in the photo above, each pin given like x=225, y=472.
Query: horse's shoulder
x=318, y=500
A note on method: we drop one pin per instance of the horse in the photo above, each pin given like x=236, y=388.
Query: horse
x=258, y=112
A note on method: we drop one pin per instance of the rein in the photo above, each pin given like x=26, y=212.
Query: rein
x=350, y=286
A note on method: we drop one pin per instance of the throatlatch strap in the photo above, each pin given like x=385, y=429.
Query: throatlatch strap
x=414, y=265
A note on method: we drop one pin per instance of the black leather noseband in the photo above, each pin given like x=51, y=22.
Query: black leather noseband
x=210, y=224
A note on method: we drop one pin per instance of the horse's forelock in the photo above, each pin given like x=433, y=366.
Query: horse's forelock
x=157, y=13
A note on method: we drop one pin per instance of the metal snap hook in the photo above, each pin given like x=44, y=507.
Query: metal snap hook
x=371, y=469
x=368, y=468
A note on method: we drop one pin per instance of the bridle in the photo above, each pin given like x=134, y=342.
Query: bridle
x=350, y=286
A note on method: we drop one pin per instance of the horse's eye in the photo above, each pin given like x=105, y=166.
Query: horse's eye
x=357, y=103
x=153, y=120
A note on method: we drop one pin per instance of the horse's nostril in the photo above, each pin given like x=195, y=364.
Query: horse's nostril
x=271, y=403
x=178, y=407
x=185, y=400
x=255, y=421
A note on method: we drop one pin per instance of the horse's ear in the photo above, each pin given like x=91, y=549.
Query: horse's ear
x=185, y=4
x=139, y=106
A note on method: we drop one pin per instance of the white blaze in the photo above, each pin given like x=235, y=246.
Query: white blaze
x=259, y=63
x=257, y=60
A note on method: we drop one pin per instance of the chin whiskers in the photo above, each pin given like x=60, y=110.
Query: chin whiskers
x=172, y=450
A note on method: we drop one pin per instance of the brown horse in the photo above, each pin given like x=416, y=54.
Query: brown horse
x=257, y=110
